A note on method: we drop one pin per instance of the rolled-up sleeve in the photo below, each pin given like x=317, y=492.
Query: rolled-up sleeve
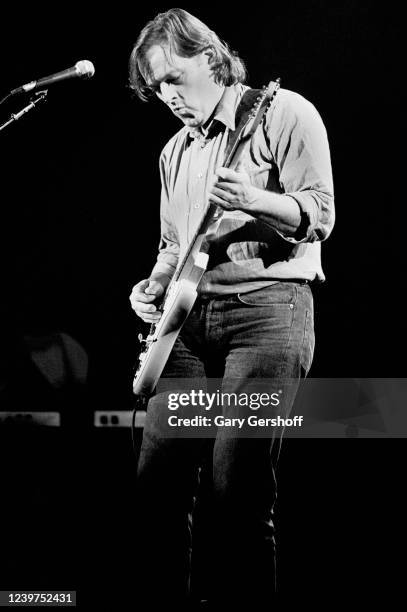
x=299, y=145
x=168, y=249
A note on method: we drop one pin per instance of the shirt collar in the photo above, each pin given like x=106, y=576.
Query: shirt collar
x=224, y=112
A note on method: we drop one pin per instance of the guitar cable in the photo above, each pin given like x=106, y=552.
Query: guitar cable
x=133, y=427
x=141, y=403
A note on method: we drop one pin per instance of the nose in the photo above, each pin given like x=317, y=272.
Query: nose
x=167, y=92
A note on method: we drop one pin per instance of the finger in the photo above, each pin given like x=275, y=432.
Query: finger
x=141, y=286
x=136, y=296
x=149, y=318
x=220, y=202
x=228, y=175
x=231, y=187
x=137, y=292
x=154, y=288
x=140, y=307
x=141, y=297
x=225, y=195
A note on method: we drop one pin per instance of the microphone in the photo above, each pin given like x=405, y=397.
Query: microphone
x=82, y=69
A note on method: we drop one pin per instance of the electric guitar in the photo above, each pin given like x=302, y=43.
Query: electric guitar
x=182, y=291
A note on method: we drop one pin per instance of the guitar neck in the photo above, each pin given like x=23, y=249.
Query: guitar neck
x=211, y=209
x=239, y=147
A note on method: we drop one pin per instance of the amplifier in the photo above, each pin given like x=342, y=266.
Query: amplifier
x=101, y=418
x=47, y=419
x=118, y=418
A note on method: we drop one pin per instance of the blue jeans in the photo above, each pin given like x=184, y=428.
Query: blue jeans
x=225, y=486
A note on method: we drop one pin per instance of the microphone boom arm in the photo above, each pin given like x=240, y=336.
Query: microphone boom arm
x=39, y=96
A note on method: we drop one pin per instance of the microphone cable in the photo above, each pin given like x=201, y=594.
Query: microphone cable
x=5, y=98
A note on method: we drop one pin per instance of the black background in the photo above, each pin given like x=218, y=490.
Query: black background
x=79, y=210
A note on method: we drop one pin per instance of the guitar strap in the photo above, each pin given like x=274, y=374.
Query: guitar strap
x=242, y=113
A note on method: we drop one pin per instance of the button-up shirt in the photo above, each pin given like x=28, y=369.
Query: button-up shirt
x=288, y=154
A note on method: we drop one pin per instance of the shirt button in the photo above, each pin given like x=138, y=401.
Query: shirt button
x=196, y=205
x=200, y=175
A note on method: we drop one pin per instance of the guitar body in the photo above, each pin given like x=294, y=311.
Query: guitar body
x=177, y=306
x=182, y=291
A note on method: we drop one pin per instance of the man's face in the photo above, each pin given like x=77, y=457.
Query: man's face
x=185, y=84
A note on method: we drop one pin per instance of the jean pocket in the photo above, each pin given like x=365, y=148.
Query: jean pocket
x=278, y=294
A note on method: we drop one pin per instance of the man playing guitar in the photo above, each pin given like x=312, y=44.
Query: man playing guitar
x=253, y=315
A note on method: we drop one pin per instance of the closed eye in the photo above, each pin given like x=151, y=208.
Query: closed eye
x=155, y=86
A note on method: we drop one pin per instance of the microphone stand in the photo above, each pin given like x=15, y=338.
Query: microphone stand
x=39, y=96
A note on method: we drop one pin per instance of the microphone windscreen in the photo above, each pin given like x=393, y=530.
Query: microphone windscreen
x=85, y=68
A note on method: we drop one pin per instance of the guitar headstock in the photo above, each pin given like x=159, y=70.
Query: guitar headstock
x=263, y=101
x=260, y=106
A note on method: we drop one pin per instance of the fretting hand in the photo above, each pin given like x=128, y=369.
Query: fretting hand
x=233, y=189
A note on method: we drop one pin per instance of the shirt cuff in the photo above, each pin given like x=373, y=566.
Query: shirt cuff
x=309, y=219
